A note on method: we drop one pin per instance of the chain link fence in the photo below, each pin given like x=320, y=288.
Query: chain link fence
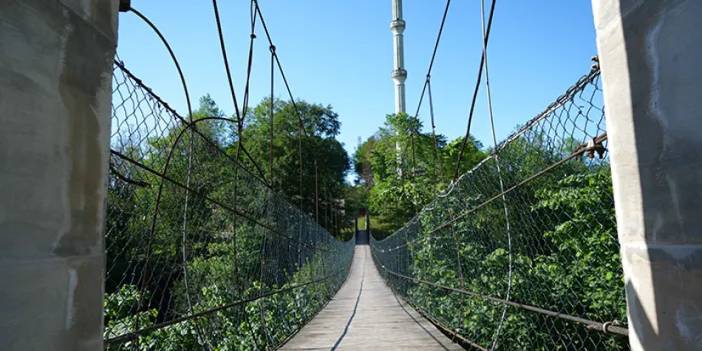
x=201, y=252
x=532, y=264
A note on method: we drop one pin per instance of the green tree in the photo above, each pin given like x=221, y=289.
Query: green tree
x=325, y=162
x=404, y=168
x=184, y=242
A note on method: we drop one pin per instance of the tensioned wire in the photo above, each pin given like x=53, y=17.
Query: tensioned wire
x=499, y=176
x=189, y=126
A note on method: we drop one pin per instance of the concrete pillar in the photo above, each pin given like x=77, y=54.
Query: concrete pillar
x=651, y=54
x=55, y=94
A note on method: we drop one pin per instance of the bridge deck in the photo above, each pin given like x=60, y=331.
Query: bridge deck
x=366, y=315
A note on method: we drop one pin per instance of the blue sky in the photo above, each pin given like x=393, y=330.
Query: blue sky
x=340, y=53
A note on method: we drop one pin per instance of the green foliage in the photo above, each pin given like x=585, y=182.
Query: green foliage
x=404, y=168
x=323, y=157
x=120, y=311
x=586, y=261
x=241, y=266
x=564, y=257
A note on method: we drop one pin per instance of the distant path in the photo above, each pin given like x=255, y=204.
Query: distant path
x=365, y=315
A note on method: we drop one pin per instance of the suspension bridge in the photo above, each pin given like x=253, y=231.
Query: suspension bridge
x=174, y=235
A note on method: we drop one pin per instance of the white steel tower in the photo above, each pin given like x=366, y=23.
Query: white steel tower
x=399, y=74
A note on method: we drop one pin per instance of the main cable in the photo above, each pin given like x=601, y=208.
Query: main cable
x=239, y=114
x=171, y=53
x=433, y=57
x=437, y=157
x=427, y=82
x=249, y=66
x=486, y=38
x=302, y=132
x=280, y=66
x=226, y=61
x=154, y=217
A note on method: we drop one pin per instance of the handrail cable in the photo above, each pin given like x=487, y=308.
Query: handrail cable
x=605, y=327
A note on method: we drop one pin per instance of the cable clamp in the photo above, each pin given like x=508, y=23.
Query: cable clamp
x=595, y=146
x=595, y=63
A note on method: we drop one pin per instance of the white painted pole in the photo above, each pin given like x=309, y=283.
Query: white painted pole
x=399, y=74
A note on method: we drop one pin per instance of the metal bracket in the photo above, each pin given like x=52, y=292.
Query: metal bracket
x=125, y=5
x=595, y=146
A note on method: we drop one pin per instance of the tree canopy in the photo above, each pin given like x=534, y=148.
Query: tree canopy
x=325, y=162
x=404, y=167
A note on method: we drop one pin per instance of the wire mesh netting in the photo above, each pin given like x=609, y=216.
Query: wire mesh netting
x=533, y=267
x=201, y=253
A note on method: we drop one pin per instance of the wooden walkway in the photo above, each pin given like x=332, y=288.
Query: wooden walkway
x=366, y=315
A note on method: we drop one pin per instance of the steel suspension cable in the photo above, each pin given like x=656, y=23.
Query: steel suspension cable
x=435, y=148
x=240, y=115
x=230, y=81
x=272, y=113
x=249, y=66
x=191, y=130
x=488, y=92
x=486, y=39
x=188, y=123
x=154, y=217
x=428, y=80
x=279, y=65
x=240, y=141
x=433, y=57
x=275, y=58
x=223, y=48
x=302, y=129
x=171, y=53
x=260, y=176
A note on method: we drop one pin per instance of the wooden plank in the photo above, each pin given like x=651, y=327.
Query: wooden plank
x=366, y=315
